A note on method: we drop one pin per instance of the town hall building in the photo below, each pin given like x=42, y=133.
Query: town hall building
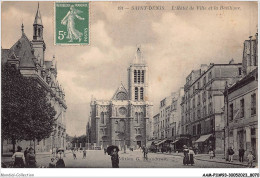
x=124, y=120
x=28, y=56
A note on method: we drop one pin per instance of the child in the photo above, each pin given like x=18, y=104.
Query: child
x=84, y=154
x=211, y=154
x=74, y=154
x=250, y=158
x=52, y=164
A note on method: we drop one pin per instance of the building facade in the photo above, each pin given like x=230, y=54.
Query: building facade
x=167, y=123
x=241, y=113
x=29, y=58
x=124, y=120
x=203, y=103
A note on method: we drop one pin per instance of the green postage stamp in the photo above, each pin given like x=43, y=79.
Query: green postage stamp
x=72, y=23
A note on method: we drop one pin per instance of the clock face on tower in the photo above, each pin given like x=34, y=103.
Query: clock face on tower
x=121, y=96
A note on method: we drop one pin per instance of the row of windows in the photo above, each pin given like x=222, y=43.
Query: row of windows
x=239, y=113
x=141, y=93
x=138, y=117
x=138, y=76
x=200, y=113
x=196, y=130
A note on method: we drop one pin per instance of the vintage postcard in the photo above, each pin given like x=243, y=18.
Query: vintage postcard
x=127, y=84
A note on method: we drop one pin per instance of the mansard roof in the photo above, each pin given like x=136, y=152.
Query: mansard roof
x=121, y=93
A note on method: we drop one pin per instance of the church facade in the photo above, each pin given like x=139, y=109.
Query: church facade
x=125, y=119
x=29, y=58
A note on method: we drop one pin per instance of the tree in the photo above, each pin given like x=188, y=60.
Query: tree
x=26, y=112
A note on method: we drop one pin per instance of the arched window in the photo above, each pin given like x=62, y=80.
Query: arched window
x=142, y=79
x=135, y=76
x=138, y=76
x=136, y=117
x=102, y=118
x=142, y=93
x=136, y=93
x=39, y=32
x=141, y=116
x=35, y=31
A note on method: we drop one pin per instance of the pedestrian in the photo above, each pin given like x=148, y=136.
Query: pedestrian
x=18, y=157
x=74, y=154
x=211, y=154
x=25, y=154
x=115, y=158
x=105, y=151
x=191, y=156
x=186, y=155
x=60, y=163
x=54, y=152
x=84, y=154
x=31, y=158
x=241, y=153
x=250, y=159
x=230, y=154
x=52, y=164
x=145, y=152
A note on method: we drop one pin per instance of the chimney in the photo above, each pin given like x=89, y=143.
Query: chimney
x=203, y=68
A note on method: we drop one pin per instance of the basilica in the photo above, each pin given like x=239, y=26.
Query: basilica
x=125, y=119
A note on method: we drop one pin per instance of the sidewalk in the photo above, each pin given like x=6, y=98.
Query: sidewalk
x=205, y=157
x=39, y=155
x=220, y=159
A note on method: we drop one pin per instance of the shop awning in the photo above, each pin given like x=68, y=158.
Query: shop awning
x=160, y=142
x=203, y=138
x=174, y=141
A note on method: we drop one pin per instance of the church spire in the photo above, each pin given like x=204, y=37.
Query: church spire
x=139, y=56
x=38, y=18
x=22, y=28
x=37, y=26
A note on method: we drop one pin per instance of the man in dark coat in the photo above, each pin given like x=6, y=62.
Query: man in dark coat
x=115, y=159
x=241, y=153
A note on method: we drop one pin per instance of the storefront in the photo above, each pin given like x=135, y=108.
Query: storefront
x=204, y=143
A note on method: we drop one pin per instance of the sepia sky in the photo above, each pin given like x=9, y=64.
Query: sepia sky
x=173, y=42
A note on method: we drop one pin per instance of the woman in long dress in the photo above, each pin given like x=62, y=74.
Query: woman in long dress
x=69, y=20
x=186, y=155
x=18, y=157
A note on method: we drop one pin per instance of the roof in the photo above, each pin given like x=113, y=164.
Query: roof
x=23, y=49
x=38, y=18
x=123, y=93
x=244, y=81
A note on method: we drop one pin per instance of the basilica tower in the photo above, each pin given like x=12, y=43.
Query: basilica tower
x=38, y=42
x=138, y=78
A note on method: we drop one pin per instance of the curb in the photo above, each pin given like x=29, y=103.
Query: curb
x=220, y=162
x=215, y=161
